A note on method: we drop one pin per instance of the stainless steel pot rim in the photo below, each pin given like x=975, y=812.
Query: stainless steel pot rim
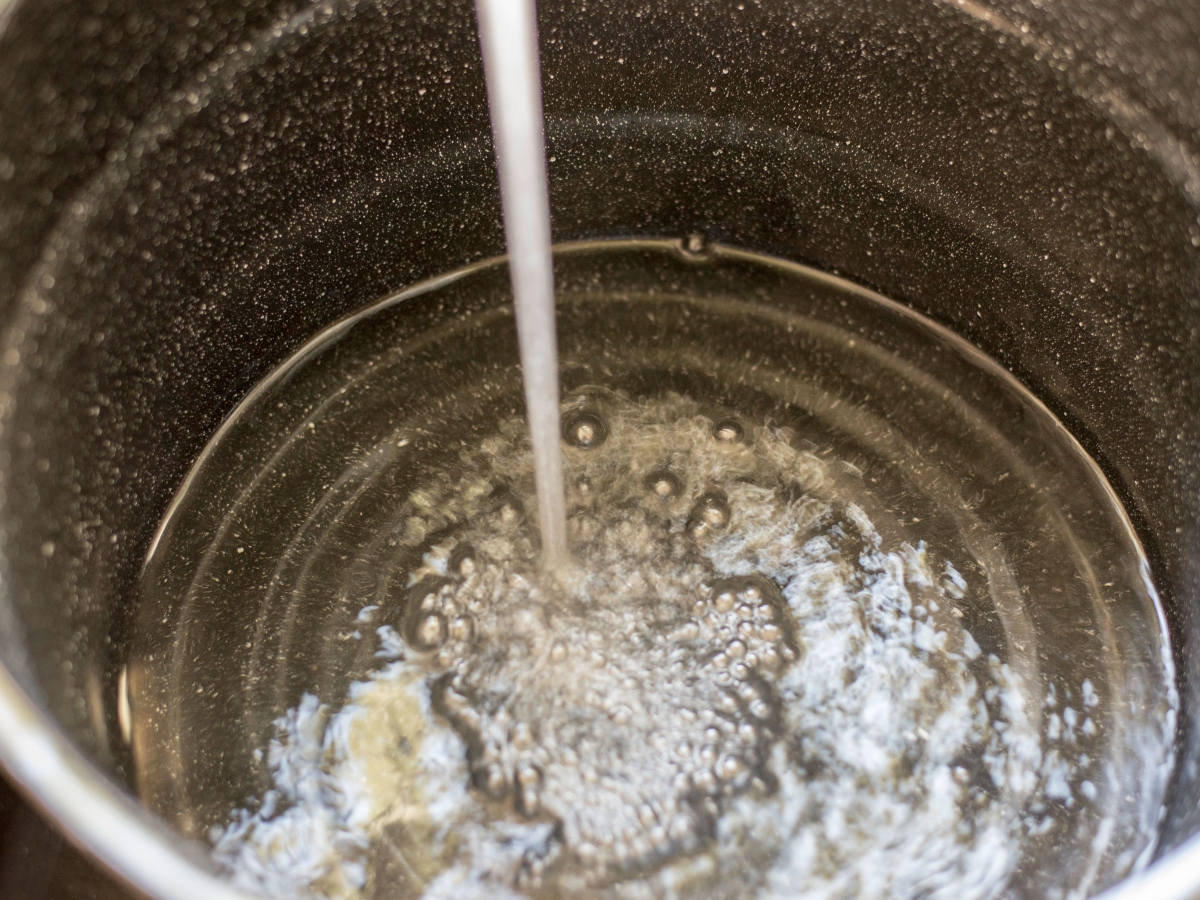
x=95, y=814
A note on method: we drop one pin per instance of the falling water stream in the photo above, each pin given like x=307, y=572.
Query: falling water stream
x=508, y=38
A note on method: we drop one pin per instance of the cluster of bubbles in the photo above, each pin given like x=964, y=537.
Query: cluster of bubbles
x=735, y=689
x=625, y=700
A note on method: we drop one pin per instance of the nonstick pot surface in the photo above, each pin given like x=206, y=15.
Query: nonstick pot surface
x=188, y=192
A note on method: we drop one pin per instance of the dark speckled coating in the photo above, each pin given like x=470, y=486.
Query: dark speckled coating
x=190, y=190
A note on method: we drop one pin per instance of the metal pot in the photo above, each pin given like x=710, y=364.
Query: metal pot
x=189, y=191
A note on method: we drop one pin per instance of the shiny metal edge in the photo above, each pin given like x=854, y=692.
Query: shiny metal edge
x=98, y=818
x=93, y=813
x=1175, y=876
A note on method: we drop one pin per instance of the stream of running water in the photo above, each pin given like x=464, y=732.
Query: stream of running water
x=508, y=39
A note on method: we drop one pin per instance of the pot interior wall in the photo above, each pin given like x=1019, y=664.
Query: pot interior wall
x=188, y=193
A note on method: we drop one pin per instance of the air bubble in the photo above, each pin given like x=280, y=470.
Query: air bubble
x=495, y=784
x=730, y=767
x=681, y=828
x=529, y=776
x=587, y=853
x=584, y=430
x=428, y=631
x=510, y=510
x=705, y=780
x=760, y=709
x=521, y=737
x=462, y=628
x=462, y=561
x=639, y=848
x=695, y=244
x=710, y=513
x=729, y=431
x=724, y=601
x=663, y=485
x=530, y=802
